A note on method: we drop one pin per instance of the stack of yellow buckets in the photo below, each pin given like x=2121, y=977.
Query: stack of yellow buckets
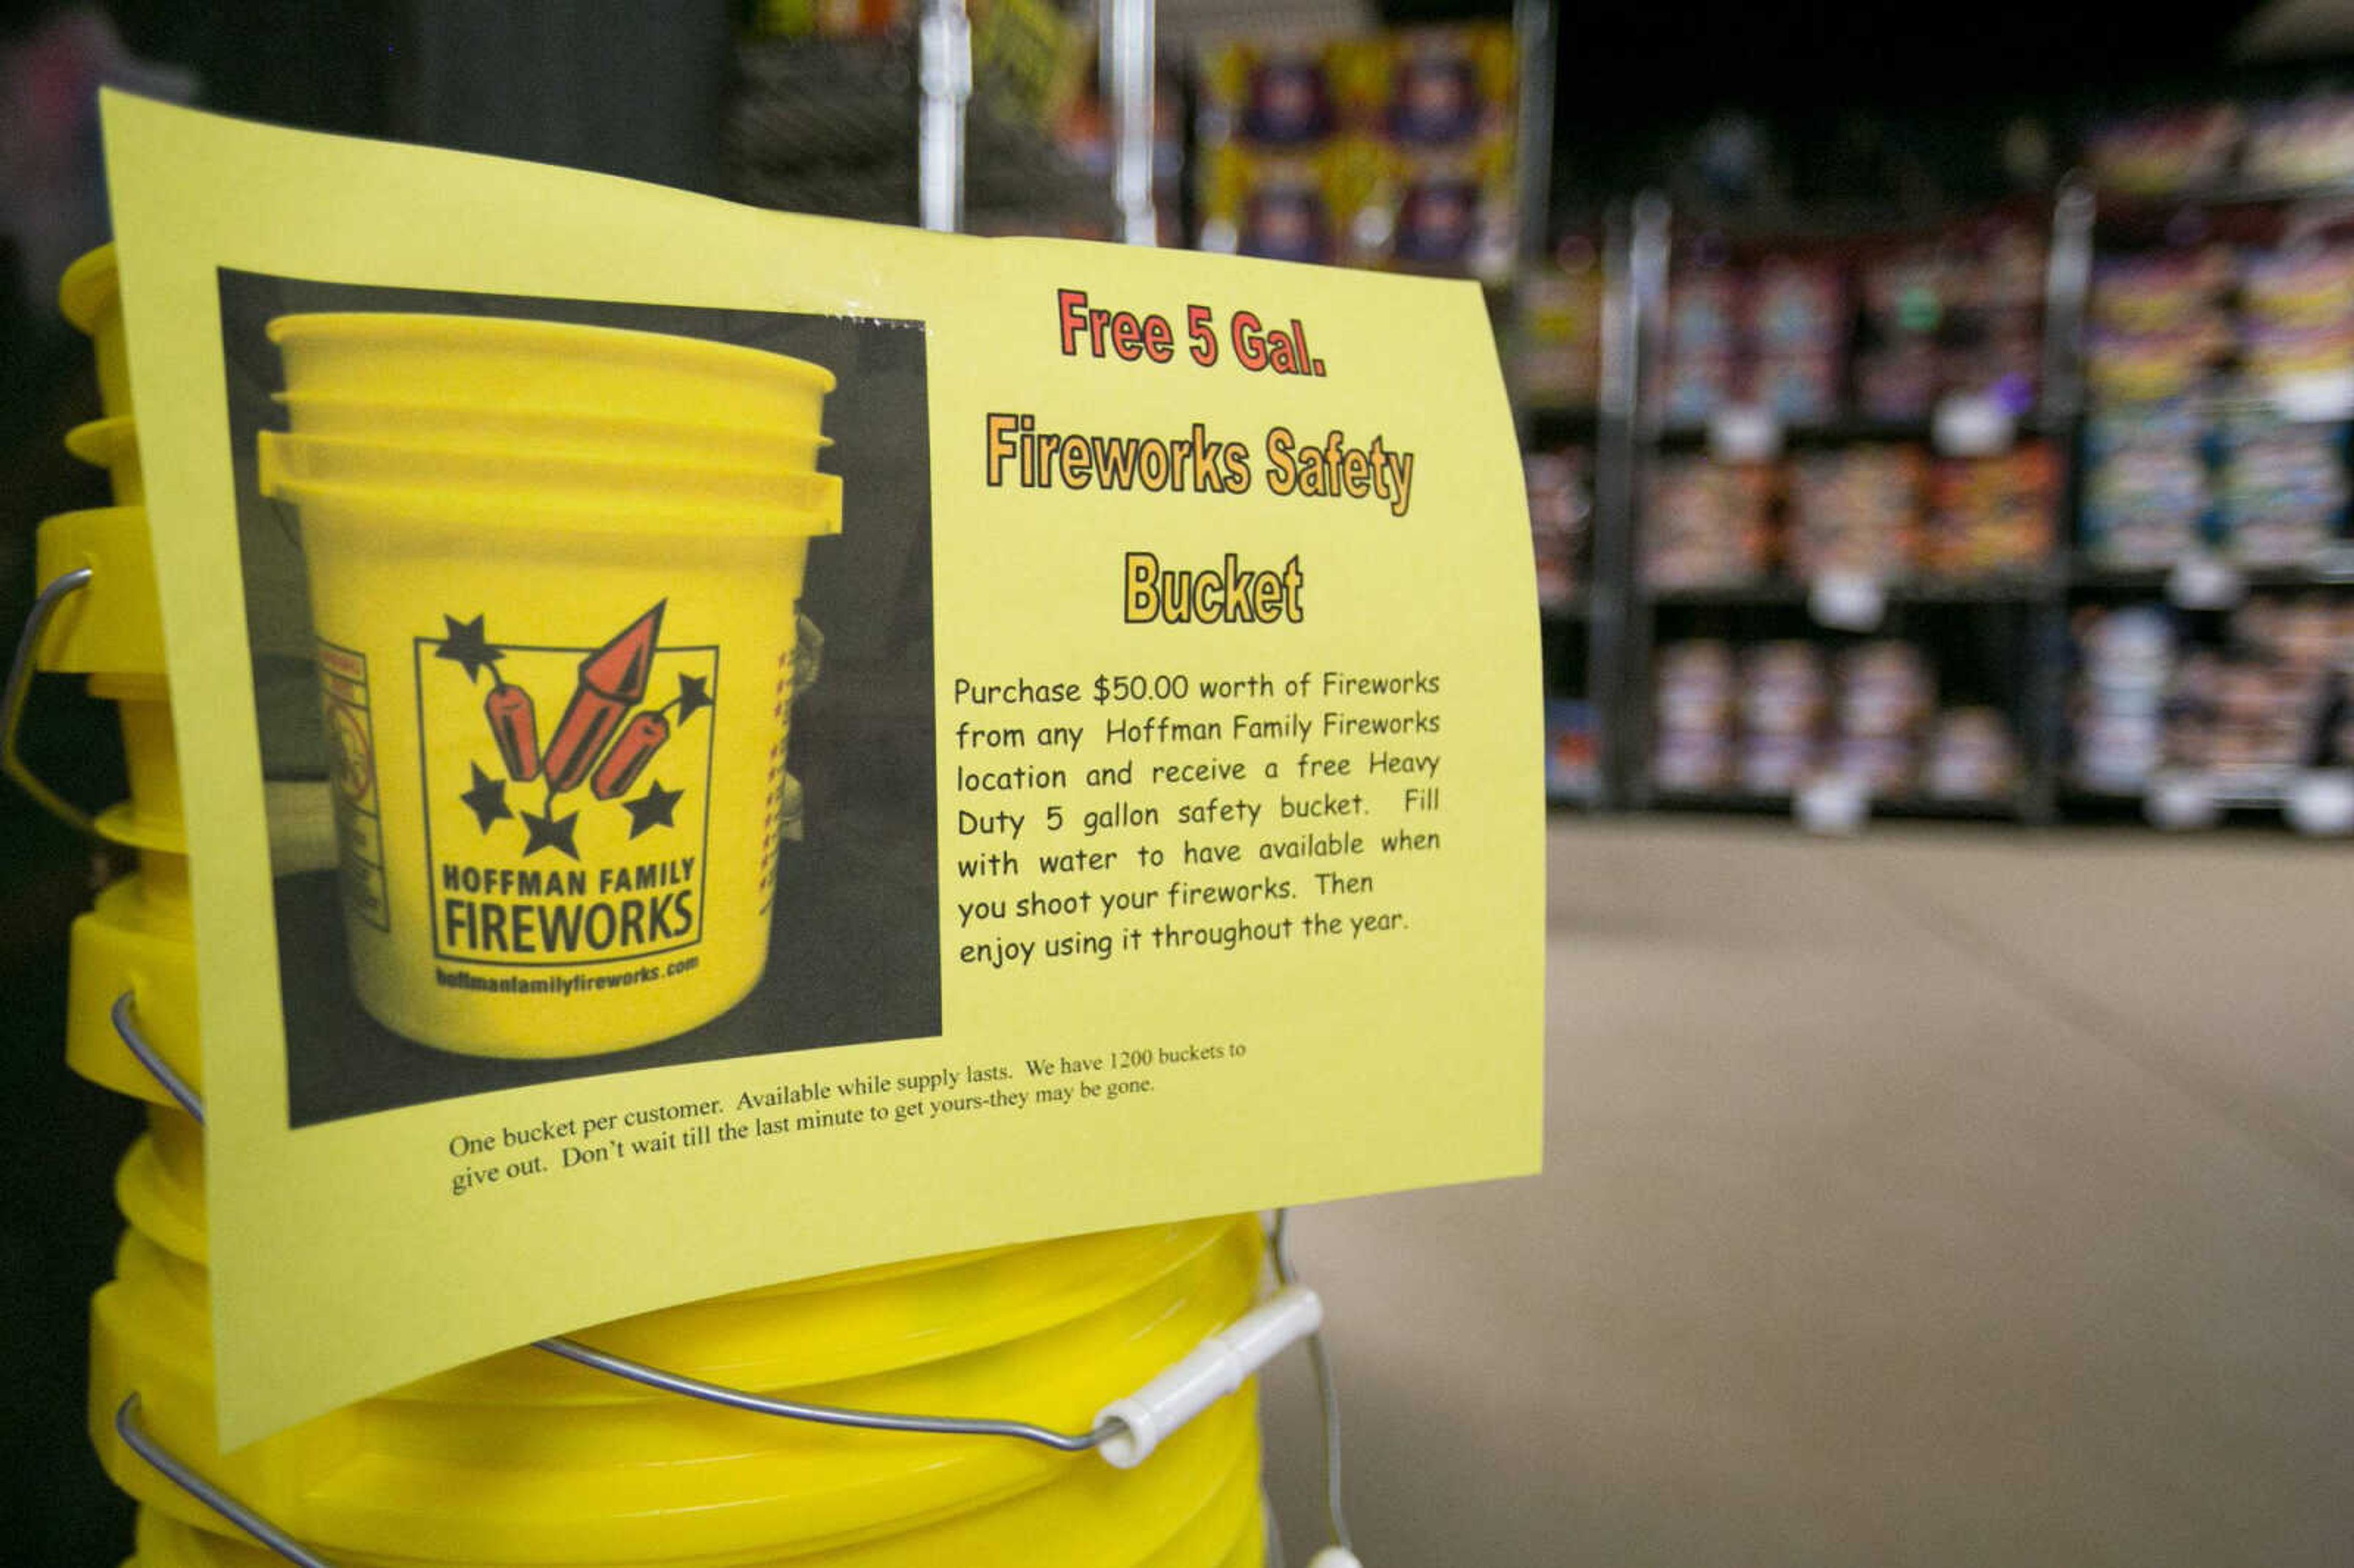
x=529, y=1458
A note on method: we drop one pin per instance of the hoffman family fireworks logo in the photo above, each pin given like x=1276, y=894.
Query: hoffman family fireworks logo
x=587, y=843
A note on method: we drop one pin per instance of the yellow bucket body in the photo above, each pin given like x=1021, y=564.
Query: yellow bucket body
x=647, y=1477
x=134, y=938
x=112, y=444
x=112, y=627
x=91, y=296
x=555, y=685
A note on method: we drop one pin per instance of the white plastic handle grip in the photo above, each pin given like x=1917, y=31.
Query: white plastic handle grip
x=1217, y=1367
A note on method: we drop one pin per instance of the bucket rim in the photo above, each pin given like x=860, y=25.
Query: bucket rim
x=522, y=505
x=104, y=442
x=395, y=408
x=535, y=336
x=89, y=284
x=286, y=474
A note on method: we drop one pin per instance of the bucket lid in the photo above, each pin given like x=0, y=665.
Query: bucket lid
x=88, y=286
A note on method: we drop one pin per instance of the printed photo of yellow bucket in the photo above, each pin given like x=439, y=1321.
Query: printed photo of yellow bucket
x=555, y=674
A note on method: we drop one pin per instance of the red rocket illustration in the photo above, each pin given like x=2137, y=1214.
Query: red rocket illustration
x=612, y=682
x=639, y=742
x=515, y=724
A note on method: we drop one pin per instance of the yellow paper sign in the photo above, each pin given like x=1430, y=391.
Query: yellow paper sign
x=790, y=745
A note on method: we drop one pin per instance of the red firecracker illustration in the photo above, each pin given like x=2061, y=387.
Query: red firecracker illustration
x=639, y=741
x=612, y=681
x=515, y=724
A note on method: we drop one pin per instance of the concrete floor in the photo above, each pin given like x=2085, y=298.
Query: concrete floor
x=1942, y=1197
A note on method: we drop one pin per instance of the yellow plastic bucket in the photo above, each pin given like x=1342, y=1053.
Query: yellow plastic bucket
x=152, y=817
x=463, y=425
x=112, y=444
x=668, y=1478
x=134, y=938
x=91, y=296
x=819, y=1329
x=1099, y=1519
x=499, y=365
x=112, y=627
x=553, y=681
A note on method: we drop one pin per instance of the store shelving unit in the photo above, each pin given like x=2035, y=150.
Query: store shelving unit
x=2012, y=622
x=2201, y=591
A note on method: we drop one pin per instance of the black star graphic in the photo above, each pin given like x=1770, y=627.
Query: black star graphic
x=488, y=799
x=653, y=809
x=693, y=693
x=465, y=645
x=550, y=832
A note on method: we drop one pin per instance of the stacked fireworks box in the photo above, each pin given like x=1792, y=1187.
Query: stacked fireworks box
x=2272, y=700
x=1962, y=314
x=2125, y=659
x=1560, y=512
x=1856, y=510
x=1767, y=718
x=1393, y=150
x=2306, y=141
x=1878, y=509
x=2202, y=362
x=1773, y=334
x=1707, y=522
x=1556, y=354
x=1749, y=719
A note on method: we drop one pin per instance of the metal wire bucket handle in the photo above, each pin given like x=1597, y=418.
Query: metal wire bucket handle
x=1125, y=1432
x=20, y=683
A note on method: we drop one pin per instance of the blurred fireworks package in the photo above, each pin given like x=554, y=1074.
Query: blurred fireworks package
x=2125, y=661
x=1885, y=696
x=1561, y=506
x=1706, y=522
x=1798, y=319
x=1571, y=765
x=2306, y=141
x=1704, y=308
x=1784, y=689
x=1993, y=514
x=1692, y=737
x=1557, y=352
x=1856, y=510
x=2145, y=490
x=2272, y=700
x=2159, y=328
x=1972, y=755
x=2280, y=488
x=1389, y=151
x=2171, y=150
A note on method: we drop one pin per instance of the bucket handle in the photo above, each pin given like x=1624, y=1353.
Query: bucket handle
x=20, y=685
x=168, y=1465
x=1125, y=1432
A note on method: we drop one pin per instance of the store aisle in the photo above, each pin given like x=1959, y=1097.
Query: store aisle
x=1937, y=1198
